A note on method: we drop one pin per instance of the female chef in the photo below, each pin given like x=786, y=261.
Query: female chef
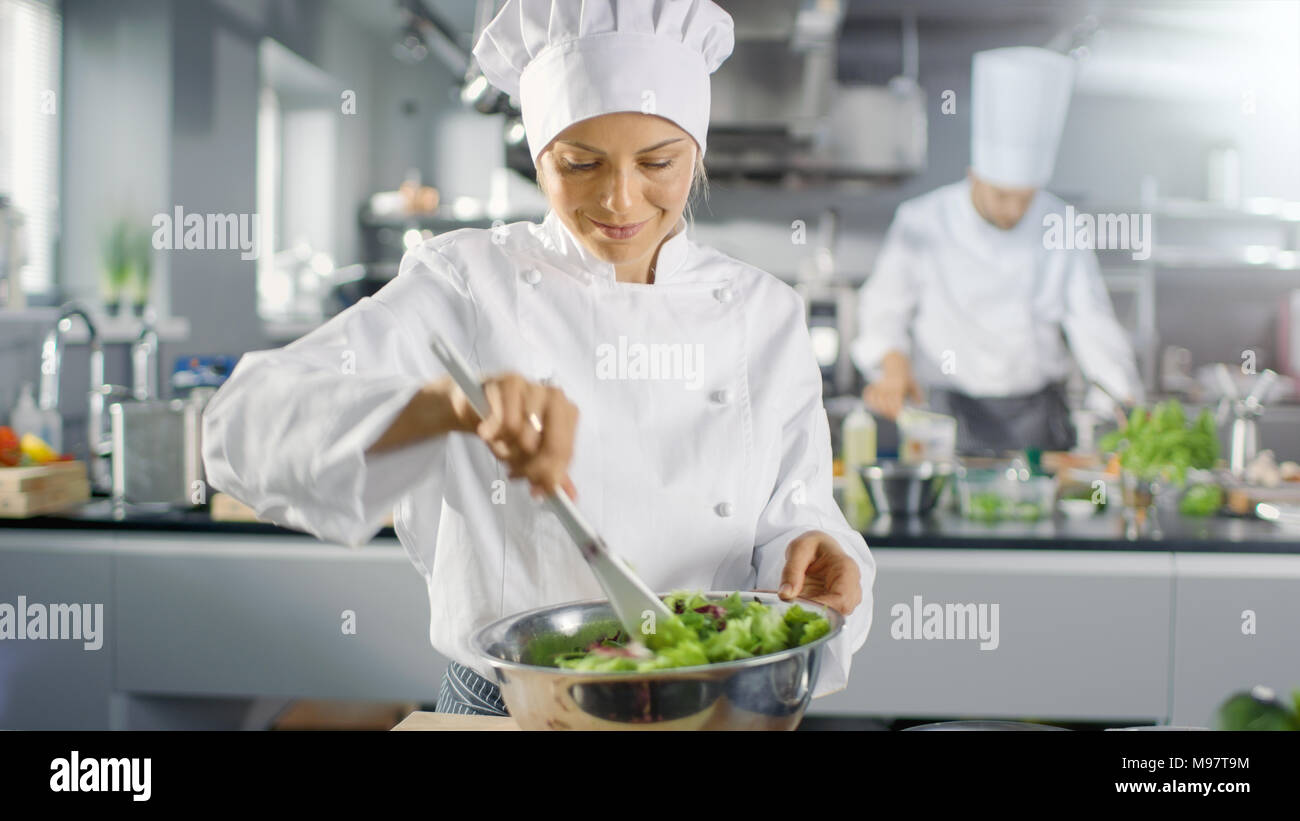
x=967, y=297
x=702, y=452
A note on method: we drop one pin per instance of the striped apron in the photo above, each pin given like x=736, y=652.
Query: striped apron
x=465, y=692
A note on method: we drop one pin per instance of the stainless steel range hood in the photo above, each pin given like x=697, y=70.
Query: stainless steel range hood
x=779, y=115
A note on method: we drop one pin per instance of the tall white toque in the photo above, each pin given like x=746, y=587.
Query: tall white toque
x=1019, y=99
x=570, y=60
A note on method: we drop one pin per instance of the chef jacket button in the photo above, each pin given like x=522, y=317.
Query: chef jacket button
x=721, y=397
x=723, y=509
x=723, y=294
x=532, y=276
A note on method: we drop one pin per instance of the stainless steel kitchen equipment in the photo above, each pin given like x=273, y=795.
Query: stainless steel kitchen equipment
x=778, y=112
x=1245, y=412
x=98, y=441
x=768, y=692
x=157, y=453
x=900, y=489
x=1176, y=371
x=144, y=363
x=831, y=305
x=1288, y=334
x=632, y=600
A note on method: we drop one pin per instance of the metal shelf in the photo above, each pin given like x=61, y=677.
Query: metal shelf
x=1256, y=209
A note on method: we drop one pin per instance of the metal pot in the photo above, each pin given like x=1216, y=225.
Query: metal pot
x=901, y=488
x=157, y=453
x=768, y=692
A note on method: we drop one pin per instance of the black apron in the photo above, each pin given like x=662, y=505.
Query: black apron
x=465, y=692
x=993, y=425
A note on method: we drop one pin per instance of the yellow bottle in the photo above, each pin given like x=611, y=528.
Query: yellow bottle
x=858, y=448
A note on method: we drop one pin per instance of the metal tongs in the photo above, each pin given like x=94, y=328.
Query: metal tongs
x=629, y=596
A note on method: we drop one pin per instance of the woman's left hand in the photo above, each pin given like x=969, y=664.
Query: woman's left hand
x=817, y=568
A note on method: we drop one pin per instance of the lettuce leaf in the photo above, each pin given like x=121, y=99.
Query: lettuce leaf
x=701, y=632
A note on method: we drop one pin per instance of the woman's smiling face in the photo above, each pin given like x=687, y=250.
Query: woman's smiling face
x=620, y=183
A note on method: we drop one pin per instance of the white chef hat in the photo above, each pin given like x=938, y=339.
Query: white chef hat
x=568, y=60
x=1019, y=98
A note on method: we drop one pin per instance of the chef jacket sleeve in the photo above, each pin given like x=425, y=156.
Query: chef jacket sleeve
x=802, y=498
x=287, y=433
x=887, y=302
x=1099, y=343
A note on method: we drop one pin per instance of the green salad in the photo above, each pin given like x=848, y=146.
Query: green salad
x=701, y=632
x=991, y=506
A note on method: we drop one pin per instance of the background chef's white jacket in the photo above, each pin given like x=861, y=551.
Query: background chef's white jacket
x=994, y=302
x=700, y=478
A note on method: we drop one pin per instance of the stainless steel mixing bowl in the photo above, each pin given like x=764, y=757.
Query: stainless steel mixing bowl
x=767, y=692
x=907, y=489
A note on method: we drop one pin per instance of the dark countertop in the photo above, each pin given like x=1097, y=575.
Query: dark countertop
x=99, y=514
x=1105, y=531
x=941, y=529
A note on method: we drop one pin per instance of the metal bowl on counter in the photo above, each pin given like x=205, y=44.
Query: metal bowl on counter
x=905, y=488
x=768, y=692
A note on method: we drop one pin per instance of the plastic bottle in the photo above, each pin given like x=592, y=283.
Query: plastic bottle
x=52, y=428
x=26, y=417
x=858, y=445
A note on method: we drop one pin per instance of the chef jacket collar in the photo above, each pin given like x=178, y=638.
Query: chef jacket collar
x=575, y=256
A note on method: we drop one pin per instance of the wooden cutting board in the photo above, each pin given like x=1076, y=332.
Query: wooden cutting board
x=38, y=477
x=450, y=721
x=40, y=489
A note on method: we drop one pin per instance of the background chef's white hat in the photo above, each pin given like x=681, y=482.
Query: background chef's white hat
x=568, y=60
x=1019, y=98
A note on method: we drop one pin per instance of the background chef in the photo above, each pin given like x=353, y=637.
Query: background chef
x=966, y=301
x=718, y=480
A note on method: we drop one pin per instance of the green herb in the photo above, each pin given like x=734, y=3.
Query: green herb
x=1258, y=709
x=1201, y=500
x=1161, y=443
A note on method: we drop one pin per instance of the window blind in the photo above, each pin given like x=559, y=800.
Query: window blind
x=30, y=106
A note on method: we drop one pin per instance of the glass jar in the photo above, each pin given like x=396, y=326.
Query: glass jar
x=1141, y=502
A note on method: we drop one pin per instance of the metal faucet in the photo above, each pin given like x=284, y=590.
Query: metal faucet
x=98, y=443
x=144, y=370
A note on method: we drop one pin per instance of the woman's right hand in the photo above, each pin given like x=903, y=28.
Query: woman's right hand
x=542, y=457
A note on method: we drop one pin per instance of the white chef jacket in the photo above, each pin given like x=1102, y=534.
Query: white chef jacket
x=986, y=307
x=698, y=461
